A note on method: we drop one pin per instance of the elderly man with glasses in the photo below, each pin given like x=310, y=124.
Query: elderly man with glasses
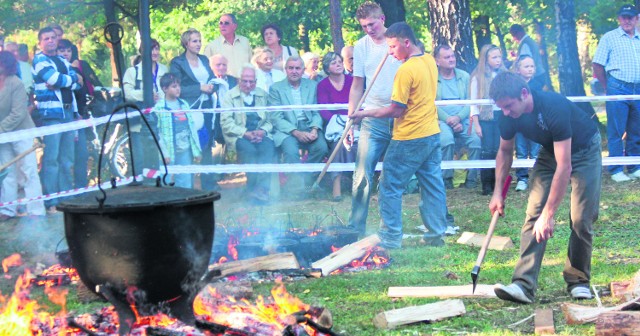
x=234, y=47
x=249, y=133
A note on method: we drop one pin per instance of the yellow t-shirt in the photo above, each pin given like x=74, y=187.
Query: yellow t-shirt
x=414, y=87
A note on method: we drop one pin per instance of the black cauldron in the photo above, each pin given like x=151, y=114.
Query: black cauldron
x=157, y=239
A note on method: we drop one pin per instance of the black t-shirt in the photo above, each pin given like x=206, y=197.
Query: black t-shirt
x=66, y=92
x=554, y=118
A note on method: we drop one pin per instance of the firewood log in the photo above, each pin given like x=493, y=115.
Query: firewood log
x=544, y=322
x=482, y=291
x=618, y=323
x=431, y=312
x=476, y=239
x=346, y=254
x=272, y=262
x=577, y=314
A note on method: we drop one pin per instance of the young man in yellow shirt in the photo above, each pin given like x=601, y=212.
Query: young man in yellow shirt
x=415, y=144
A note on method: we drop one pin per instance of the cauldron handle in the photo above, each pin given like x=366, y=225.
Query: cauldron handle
x=126, y=106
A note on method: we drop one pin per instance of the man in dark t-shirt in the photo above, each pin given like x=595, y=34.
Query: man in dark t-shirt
x=570, y=152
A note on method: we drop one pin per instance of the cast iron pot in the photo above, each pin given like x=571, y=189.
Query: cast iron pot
x=157, y=239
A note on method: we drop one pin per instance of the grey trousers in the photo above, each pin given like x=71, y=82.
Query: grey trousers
x=585, y=182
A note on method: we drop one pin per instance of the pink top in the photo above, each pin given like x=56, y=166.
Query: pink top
x=327, y=94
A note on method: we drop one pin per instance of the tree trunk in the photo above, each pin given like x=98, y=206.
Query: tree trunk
x=451, y=24
x=304, y=37
x=393, y=11
x=544, y=56
x=569, y=72
x=503, y=46
x=117, y=58
x=335, y=14
x=482, y=31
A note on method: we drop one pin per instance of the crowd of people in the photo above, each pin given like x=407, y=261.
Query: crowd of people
x=396, y=123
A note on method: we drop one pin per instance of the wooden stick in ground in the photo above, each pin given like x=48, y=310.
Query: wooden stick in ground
x=348, y=125
x=346, y=254
x=430, y=312
x=20, y=156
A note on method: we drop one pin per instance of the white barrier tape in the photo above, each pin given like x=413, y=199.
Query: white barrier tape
x=84, y=123
x=72, y=192
x=349, y=167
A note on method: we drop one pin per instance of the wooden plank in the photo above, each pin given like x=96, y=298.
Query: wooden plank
x=482, y=291
x=543, y=322
x=431, y=312
x=272, y=262
x=618, y=323
x=346, y=254
x=476, y=239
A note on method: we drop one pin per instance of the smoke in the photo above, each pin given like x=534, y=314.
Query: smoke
x=37, y=238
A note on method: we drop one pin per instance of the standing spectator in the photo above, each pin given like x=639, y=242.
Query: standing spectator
x=311, y=64
x=14, y=117
x=69, y=51
x=177, y=133
x=453, y=84
x=141, y=138
x=272, y=37
x=24, y=68
x=249, y=133
x=23, y=52
x=415, y=146
x=195, y=75
x=485, y=117
x=54, y=83
x=235, y=48
x=375, y=133
x=1, y=42
x=335, y=90
x=347, y=56
x=570, y=154
x=58, y=30
x=616, y=65
x=266, y=75
x=525, y=148
x=528, y=47
x=299, y=130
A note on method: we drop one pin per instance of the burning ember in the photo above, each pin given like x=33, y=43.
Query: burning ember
x=57, y=275
x=279, y=315
x=375, y=258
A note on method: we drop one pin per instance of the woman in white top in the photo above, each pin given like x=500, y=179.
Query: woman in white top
x=311, y=64
x=265, y=73
x=272, y=36
x=484, y=117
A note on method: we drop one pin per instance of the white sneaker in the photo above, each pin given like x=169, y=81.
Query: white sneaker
x=581, y=293
x=521, y=186
x=634, y=175
x=620, y=177
x=511, y=293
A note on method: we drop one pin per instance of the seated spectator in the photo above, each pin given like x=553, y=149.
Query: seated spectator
x=69, y=51
x=141, y=138
x=311, y=62
x=14, y=117
x=453, y=84
x=226, y=82
x=299, y=130
x=265, y=74
x=335, y=90
x=347, y=56
x=249, y=133
x=177, y=133
x=272, y=37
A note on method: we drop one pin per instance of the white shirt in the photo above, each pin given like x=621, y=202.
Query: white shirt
x=367, y=55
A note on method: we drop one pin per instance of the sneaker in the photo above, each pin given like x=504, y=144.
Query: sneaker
x=52, y=210
x=634, y=175
x=581, y=293
x=521, y=186
x=620, y=177
x=451, y=230
x=511, y=293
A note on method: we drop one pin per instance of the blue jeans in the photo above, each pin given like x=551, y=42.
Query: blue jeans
x=448, y=141
x=623, y=116
x=183, y=158
x=422, y=157
x=375, y=135
x=80, y=179
x=57, y=160
x=525, y=149
x=252, y=153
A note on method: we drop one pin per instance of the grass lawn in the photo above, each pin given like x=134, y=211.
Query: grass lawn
x=354, y=299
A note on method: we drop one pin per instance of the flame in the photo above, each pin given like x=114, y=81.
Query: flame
x=11, y=261
x=56, y=275
x=264, y=317
x=373, y=258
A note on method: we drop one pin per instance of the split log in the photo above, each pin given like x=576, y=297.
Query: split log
x=618, y=323
x=544, y=322
x=482, y=291
x=476, y=239
x=626, y=290
x=235, y=289
x=577, y=314
x=346, y=254
x=431, y=312
x=272, y=262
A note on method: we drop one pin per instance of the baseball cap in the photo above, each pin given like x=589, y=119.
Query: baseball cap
x=627, y=10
